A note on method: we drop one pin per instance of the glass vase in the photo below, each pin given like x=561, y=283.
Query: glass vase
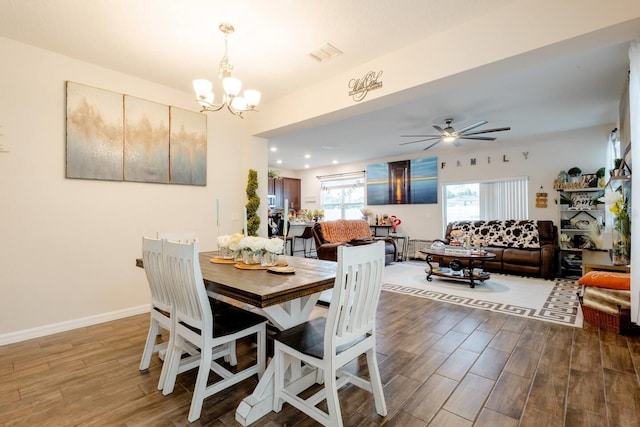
x=226, y=253
x=269, y=259
x=251, y=257
x=621, y=252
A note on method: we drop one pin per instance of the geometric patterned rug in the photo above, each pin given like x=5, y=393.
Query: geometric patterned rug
x=548, y=300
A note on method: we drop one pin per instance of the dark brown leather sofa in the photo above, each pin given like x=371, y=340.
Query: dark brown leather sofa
x=506, y=242
x=328, y=235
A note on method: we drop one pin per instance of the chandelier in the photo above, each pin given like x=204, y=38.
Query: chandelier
x=235, y=104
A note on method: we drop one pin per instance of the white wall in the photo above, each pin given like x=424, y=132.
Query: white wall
x=547, y=155
x=69, y=246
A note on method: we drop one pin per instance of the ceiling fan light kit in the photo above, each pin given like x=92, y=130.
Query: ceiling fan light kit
x=231, y=86
x=449, y=134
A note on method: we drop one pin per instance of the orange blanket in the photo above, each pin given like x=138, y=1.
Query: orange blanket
x=345, y=230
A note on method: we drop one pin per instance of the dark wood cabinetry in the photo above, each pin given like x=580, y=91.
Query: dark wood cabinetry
x=291, y=192
x=285, y=189
x=271, y=186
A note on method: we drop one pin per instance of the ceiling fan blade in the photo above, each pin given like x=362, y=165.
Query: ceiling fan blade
x=419, y=140
x=438, y=128
x=473, y=126
x=424, y=149
x=420, y=136
x=487, y=131
x=480, y=138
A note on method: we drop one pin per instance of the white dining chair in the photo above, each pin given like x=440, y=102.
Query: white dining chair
x=328, y=343
x=160, y=310
x=208, y=324
x=160, y=299
x=190, y=237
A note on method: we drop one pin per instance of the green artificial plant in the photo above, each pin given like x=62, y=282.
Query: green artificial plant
x=574, y=171
x=253, y=203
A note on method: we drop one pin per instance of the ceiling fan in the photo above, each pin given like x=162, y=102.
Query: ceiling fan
x=449, y=134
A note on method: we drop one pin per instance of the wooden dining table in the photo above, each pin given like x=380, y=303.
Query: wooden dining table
x=286, y=300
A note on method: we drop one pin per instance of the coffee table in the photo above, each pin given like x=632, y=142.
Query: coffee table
x=465, y=264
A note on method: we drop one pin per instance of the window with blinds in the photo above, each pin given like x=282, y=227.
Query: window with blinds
x=342, y=197
x=492, y=199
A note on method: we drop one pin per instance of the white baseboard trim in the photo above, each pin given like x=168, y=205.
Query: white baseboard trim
x=41, y=331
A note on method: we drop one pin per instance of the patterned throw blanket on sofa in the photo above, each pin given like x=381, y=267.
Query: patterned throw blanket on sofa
x=509, y=233
x=345, y=230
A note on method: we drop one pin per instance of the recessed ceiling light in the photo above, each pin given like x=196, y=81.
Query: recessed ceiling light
x=274, y=149
x=335, y=162
x=306, y=166
x=307, y=156
x=279, y=162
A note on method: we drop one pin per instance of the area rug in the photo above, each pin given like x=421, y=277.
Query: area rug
x=549, y=300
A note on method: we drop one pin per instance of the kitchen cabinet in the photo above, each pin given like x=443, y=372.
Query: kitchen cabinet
x=271, y=186
x=285, y=189
x=291, y=192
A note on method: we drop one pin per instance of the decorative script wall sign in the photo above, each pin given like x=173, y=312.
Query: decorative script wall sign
x=360, y=87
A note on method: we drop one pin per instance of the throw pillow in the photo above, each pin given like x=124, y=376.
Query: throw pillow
x=606, y=279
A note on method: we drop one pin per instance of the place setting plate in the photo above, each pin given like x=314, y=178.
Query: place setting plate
x=217, y=260
x=281, y=270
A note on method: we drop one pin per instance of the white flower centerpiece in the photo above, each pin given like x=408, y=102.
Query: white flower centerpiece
x=273, y=248
x=234, y=243
x=224, y=252
x=252, y=249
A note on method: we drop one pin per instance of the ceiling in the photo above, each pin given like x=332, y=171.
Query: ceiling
x=174, y=42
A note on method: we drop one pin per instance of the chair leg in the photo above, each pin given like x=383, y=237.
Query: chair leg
x=278, y=378
x=333, y=405
x=376, y=383
x=199, y=392
x=232, y=357
x=154, y=329
x=172, y=362
x=261, y=351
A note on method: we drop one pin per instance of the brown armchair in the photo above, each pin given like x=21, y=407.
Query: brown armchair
x=328, y=235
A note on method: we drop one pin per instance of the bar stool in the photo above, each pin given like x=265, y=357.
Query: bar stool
x=306, y=235
x=288, y=240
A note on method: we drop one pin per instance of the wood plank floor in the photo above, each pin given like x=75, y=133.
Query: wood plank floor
x=441, y=365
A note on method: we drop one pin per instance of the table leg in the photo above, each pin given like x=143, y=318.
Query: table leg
x=430, y=269
x=471, y=282
x=284, y=316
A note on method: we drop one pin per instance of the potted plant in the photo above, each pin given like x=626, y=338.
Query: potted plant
x=600, y=175
x=253, y=203
x=618, y=167
x=574, y=173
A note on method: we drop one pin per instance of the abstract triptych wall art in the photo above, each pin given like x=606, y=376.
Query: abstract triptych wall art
x=111, y=136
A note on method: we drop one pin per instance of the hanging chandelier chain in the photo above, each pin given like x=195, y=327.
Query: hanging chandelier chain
x=225, y=66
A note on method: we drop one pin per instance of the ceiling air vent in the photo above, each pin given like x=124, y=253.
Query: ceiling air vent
x=325, y=53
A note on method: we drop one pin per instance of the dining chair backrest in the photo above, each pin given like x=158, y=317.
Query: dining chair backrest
x=182, y=272
x=355, y=295
x=152, y=259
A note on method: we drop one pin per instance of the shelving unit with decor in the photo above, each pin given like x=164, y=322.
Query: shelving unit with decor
x=580, y=214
